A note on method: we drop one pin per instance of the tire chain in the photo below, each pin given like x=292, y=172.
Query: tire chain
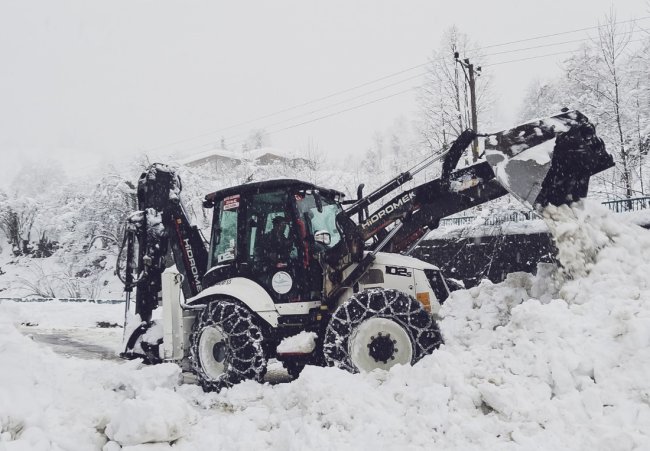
x=378, y=303
x=244, y=357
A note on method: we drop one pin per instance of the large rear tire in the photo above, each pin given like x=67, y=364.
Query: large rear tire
x=379, y=329
x=226, y=346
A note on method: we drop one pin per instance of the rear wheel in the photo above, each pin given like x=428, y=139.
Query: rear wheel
x=379, y=329
x=226, y=346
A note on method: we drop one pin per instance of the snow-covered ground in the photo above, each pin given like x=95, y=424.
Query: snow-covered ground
x=552, y=361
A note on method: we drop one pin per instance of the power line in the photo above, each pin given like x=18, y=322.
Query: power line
x=562, y=33
x=394, y=94
x=276, y=113
x=394, y=74
x=424, y=73
x=317, y=110
x=530, y=58
x=386, y=86
x=308, y=113
x=544, y=56
x=328, y=115
x=416, y=87
x=238, y=137
x=271, y=132
x=573, y=41
x=347, y=109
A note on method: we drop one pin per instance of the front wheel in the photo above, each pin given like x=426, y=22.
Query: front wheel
x=226, y=346
x=379, y=329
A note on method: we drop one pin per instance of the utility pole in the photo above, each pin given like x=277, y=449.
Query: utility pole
x=465, y=64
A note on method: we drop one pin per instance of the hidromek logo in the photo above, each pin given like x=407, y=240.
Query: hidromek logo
x=193, y=269
x=388, y=209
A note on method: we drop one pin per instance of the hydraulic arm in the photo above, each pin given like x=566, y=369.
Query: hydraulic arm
x=541, y=162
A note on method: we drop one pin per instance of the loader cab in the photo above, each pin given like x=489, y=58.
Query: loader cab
x=273, y=233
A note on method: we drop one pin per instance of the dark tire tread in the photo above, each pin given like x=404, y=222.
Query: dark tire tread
x=377, y=303
x=245, y=358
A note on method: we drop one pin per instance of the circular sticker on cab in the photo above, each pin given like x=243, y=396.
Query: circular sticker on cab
x=282, y=282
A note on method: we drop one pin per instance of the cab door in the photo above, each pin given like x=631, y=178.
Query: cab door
x=279, y=271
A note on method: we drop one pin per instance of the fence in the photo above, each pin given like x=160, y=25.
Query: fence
x=623, y=205
x=617, y=206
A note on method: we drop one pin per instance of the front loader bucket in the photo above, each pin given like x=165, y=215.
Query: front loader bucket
x=548, y=161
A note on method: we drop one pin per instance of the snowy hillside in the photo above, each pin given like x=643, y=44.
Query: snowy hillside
x=537, y=362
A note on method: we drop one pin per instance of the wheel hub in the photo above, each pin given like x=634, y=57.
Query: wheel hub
x=379, y=343
x=212, y=350
x=382, y=348
x=219, y=351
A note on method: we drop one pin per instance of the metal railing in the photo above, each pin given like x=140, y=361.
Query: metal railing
x=617, y=206
x=515, y=216
x=623, y=205
x=457, y=221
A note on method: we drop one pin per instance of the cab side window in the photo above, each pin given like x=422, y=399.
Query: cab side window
x=224, y=233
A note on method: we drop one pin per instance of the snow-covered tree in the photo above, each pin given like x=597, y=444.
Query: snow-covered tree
x=258, y=138
x=543, y=98
x=600, y=74
x=444, y=99
x=17, y=216
x=607, y=79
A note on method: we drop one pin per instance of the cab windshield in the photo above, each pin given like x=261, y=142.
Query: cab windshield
x=319, y=221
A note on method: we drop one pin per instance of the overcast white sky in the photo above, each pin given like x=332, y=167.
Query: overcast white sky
x=80, y=80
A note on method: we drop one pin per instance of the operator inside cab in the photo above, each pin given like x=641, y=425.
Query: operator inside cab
x=277, y=245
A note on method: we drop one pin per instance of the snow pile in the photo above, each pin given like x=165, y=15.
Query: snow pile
x=325, y=408
x=552, y=361
x=48, y=402
x=580, y=233
x=568, y=369
x=155, y=416
x=302, y=343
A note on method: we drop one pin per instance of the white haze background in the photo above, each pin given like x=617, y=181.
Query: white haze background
x=86, y=82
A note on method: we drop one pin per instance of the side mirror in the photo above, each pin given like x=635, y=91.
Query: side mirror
x=323, y=237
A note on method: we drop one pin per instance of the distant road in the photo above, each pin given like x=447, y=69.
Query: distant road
x=88, y=344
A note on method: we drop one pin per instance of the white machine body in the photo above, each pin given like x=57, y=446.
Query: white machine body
x=406, y=274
